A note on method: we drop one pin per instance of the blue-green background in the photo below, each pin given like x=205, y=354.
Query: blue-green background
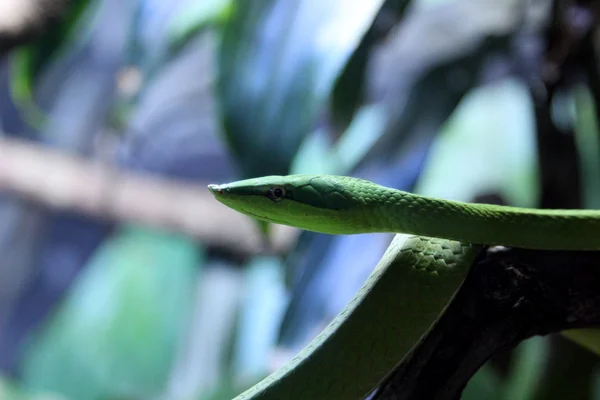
x=423, y=96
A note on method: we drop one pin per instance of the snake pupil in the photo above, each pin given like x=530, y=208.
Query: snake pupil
x=276, y=193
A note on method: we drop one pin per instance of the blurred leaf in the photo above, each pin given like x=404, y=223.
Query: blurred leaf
x=596, y=384
x=278, y=63
x=348, y=93
x=317, y=155
x=483, y=385
x=116, y=334
x=586, y=338
x=349, y=90
x=420, y=86
x=463, y=163
x=568, y=371
x=588, y=146
x=365, y=129
x=203, y=358
x=29, y=60
x=195, y=16
x=314, y=155
x=527, y=370
x=262, y=307
x=9, y=391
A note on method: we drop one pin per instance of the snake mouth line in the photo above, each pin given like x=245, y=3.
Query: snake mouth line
x=259, y=216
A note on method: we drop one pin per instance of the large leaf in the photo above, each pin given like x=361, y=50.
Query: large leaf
x=463, y=163
x=431, y=62
x=349, y=92
x=279, y=60
x=262, y=306
x=117, y=332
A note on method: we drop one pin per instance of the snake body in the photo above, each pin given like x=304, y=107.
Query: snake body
x=412, y=284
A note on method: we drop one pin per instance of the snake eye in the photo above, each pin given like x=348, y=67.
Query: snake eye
x=276, y=193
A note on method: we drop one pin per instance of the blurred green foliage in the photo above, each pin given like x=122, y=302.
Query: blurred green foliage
x=117, y=331
x=291, y=84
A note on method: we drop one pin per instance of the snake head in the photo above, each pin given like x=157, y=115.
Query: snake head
x=313, y=202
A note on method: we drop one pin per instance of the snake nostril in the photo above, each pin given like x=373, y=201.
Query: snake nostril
x=216, y=188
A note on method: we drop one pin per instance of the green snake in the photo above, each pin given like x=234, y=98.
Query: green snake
x=437, y=242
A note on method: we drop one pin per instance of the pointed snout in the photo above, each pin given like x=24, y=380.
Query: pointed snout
x=216, y=189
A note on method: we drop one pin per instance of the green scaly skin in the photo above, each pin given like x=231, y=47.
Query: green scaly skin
x=413, y=282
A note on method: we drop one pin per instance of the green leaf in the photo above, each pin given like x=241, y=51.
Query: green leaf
x=504, y=156
x=317, y=155
x=261, y=311
x=588, y=145
x=586, y=338
x=193, y=18
x=279, y=60
x=420, y=85
x=117, y=332
x=348, y=93
x=527, y=370
x=9, y=391
x=483, y=385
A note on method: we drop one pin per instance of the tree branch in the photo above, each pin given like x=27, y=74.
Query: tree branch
x=509, y=295
x=62, y=181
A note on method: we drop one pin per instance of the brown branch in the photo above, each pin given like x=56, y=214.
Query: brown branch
x=62, y=181
x=509, y=295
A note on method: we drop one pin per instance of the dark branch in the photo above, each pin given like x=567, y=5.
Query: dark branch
x=510, y=295
x=24, y=20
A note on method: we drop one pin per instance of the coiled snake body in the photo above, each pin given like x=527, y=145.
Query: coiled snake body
x=416, y=278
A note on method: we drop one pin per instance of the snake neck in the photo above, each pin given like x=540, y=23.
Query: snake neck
x=390, y=210
x=395, y=211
